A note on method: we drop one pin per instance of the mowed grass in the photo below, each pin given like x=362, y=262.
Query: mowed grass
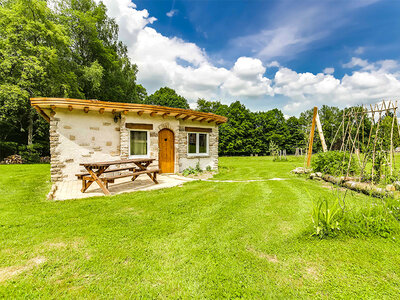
x=202, y=240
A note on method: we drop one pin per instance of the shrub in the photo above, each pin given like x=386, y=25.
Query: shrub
x=30, y=154
x=7, y=149
x=334, y=163
x=208, y=169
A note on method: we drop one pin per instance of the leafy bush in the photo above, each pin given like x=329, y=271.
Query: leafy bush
x=30, y=154
x=334, y=163
x=208, y=169
x=7, y=149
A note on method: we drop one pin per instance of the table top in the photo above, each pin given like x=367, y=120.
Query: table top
x=117, y=162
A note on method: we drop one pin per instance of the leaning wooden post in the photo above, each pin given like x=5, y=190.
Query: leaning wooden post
x=311, y=139
x=321, y=133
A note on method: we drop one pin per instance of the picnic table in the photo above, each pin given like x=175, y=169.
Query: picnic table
x=95, y=171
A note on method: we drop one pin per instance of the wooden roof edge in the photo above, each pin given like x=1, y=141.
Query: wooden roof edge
x=47, y=102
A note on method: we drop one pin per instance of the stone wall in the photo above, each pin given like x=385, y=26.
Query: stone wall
x=77, y=137
x=186, y=161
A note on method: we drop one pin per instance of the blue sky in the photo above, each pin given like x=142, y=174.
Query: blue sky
x=286, y=54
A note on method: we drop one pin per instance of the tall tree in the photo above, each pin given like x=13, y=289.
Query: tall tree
x=30, y=62
x=167, y=97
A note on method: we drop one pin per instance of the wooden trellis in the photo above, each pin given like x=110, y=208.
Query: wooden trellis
x=353, y=137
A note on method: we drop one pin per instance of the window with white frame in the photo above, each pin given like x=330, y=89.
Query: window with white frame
x=197, y=143
x=139, y=143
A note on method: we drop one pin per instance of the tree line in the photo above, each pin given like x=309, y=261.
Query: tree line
x=72, y=50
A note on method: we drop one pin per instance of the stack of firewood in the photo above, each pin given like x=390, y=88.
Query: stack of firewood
x=12, y=159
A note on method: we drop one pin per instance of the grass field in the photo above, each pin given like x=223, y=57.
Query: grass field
x=202, y=240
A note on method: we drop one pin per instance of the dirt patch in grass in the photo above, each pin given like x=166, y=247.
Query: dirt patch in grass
x=270, y=257
x=7, y=273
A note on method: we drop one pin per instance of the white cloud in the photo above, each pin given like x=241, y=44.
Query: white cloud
x=362, y=87
x=160, y=58
x=359, y=50
x=172, y=12
x=329, y=70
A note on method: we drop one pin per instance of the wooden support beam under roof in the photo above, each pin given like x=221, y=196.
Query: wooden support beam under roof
x=165, y=115
x=125, y=112
x=70, y=108
x=101, y=110
x=210, y=121
x=202, y=119
x=42, y=113
x=195, y=118
x=86, y=109
x=53, y=107
x=152, y=114
x=95, y=105
x=113, y=111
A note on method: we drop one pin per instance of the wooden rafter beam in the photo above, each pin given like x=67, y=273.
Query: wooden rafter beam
x=152, y=114
x=125, y=112
x=165, y=115
x=195, y=118
x=94, y=105
x=42, y=113
x=140, y=112
x=210, y=121
x=185, y=118
x=101, y=110
x=113, y=111
x=86, y=109
x=70, y=108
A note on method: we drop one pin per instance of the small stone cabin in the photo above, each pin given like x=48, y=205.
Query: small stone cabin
x=93, y=131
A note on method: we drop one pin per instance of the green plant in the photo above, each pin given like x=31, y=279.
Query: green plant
x=273, y=148
x=334, y=163
x=192, y=171
x=326, y=215
x=30, y=154
x=208, y=169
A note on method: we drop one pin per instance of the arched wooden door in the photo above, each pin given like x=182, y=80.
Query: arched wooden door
x=166, y=153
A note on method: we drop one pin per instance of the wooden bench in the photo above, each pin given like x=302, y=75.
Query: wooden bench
x=97, y=172
x=87, y=179
x=80, y=175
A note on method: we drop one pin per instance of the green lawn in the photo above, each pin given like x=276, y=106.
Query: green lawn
x=202, y=240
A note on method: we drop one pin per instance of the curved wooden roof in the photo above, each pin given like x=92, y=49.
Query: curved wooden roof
x=117, y=107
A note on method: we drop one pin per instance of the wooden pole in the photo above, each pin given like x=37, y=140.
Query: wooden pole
x=321, y=133
x=311, y=139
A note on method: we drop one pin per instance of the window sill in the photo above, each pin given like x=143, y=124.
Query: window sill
x=198, y=155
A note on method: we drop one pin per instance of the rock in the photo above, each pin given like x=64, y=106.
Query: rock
x=397, y=185
x=318, y=174
x=390, y=188
x=312, y=175
x=301, y=170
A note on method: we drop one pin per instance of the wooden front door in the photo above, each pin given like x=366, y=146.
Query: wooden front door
x=166, y=151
